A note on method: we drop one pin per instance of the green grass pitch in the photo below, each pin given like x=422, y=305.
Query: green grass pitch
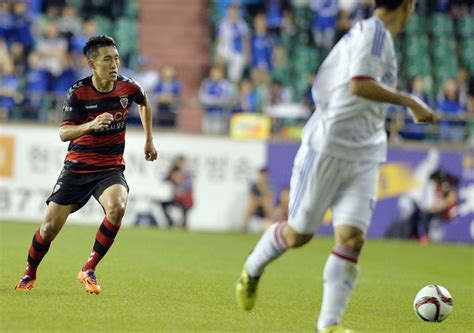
x=157, y=280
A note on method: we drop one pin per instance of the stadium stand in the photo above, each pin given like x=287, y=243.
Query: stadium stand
x=438, y=42
x=37, y=68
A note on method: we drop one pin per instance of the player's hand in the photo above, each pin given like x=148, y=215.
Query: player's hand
x=150, y=151
x=421, y=112
x=102, y=121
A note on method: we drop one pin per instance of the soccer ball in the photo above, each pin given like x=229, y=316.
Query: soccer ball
x=433, y=303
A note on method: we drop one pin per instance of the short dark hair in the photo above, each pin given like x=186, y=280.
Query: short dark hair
x=95, y=42
x=388, y=4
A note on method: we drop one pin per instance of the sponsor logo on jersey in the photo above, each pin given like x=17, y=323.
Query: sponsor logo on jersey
x=91, y=106
x=124, y=101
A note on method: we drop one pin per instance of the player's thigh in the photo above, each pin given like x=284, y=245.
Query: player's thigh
x=56, y=216
x=112, y=191
x=314, y=182
x=114, y=197
x=355, y=200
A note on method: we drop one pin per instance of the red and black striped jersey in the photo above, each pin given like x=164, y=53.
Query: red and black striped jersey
x=103, y=149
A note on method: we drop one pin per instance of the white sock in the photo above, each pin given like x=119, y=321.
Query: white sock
x=270, y=246
x=340, y=273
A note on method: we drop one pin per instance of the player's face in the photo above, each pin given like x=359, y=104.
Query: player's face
x=106, y=64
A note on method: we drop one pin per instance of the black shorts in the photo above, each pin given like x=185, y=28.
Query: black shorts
x=73, y=188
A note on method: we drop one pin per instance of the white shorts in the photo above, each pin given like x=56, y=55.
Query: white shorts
x=319, y=182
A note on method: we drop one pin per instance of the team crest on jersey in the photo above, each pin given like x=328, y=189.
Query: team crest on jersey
x=124, y=101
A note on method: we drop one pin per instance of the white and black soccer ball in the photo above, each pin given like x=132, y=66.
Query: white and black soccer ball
x=433, y=303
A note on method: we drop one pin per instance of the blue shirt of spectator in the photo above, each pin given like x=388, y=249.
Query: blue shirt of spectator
x=62, y=83
x=77, y=43
x=22, y=31
x=215, y=95
x=262, y=48
x=249, y=102
x=6, y=26
x=36, y=84
x=274, y=14
x=36, y=80
x=238, y=43
x=9, y=82
x=172, y=88
x=325, y=14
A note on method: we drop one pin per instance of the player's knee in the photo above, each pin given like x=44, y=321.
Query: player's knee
x=49, y=230
x=353, y=242
x=294, y=239
x=115, y=213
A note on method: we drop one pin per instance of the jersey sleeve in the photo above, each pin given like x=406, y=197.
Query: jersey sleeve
x=139, y=95
x=366, y=55
x=70, y=111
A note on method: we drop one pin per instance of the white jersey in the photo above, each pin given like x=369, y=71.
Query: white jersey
x=344, y=125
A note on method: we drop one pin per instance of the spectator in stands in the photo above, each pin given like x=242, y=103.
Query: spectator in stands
x=248, y=99
x=146, y=76
x=324, y=23
x=452, y=128
x=281, y=208
x=69, y=23
x=274, y=13
x=182, y=197
x=470, y=111
x=462, y=80
x=52, y=49
x=402, y=123
x=280, y=66
x=6, y=22
x=22, y=22
x=36, y=87
x=18, y=56
x=217, y=97
x=259, y=213
x=439, y=202
x=10, y=97
x=418, y=89
x=42, y=24
x=288, y=27
x=89, y=29
x=61, y=83
x=261, y=83
x=262, y=44
x=233, y=43
x=168, y=94
x=278, y=94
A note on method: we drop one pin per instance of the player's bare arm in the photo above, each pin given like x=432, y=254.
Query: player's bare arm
x=72, y=132
x=379, y=92
x=146, y=117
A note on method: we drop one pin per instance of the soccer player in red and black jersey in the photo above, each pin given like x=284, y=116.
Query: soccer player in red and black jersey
x=94, y=116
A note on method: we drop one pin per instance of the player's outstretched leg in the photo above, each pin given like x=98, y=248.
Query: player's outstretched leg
x=38, y=249
x=339, y=277
x=103, y=241
x=270, y=246
x=275, y=241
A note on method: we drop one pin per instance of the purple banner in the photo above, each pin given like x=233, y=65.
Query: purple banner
x=403, y=181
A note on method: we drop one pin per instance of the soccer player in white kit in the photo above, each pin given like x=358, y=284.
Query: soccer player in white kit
x=337, y=163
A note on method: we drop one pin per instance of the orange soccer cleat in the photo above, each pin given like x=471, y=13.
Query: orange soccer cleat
x=88, y=279
x=26, y=283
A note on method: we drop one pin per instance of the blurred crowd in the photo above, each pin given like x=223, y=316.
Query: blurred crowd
x=265, y=55
x=41, y=55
